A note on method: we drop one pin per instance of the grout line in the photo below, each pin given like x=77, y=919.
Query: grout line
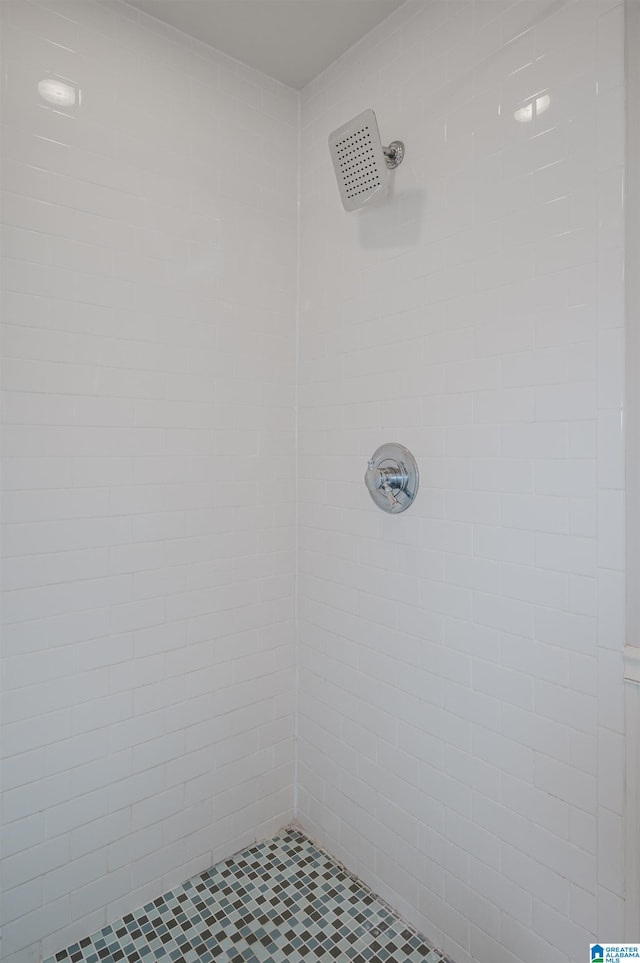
x=296, y=646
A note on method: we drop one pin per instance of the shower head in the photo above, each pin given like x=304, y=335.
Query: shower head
x=361, y=162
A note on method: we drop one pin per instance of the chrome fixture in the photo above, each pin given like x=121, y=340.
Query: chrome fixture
x=392, y=478
x=361, y=162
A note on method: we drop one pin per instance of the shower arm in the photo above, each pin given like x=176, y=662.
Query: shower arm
x=393, y=154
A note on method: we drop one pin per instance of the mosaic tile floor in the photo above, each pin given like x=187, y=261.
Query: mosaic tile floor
x=282, y=900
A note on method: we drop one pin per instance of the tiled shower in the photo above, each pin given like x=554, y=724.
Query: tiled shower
x=210, y=632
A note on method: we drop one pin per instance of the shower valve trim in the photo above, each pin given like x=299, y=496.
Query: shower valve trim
x=392, y=478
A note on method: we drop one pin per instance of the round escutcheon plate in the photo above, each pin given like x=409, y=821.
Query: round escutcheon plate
x=392, y=478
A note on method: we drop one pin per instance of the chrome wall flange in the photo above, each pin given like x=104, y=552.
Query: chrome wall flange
x=394, y=154
x=392, y=478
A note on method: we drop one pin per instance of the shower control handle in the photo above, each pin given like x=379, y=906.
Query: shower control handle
x=392, y=478
x=386, y=488
x=386, y=480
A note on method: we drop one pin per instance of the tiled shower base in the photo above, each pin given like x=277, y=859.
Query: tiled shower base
x=281, y=900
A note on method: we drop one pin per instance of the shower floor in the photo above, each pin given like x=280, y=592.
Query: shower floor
x=281, y=900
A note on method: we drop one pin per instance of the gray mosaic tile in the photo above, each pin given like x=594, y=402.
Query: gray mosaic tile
x=281, y=901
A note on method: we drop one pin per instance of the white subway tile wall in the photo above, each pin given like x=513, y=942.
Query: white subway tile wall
x=460, y=730
x=460, y=666
x=150, y=263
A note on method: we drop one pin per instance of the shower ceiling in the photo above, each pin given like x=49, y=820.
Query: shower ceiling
x=291, y=40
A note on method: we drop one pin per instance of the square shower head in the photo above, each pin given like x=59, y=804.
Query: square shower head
x=359, y=161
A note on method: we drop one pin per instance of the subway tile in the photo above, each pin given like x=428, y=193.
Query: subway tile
x=152, y=303
x=111, y=255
